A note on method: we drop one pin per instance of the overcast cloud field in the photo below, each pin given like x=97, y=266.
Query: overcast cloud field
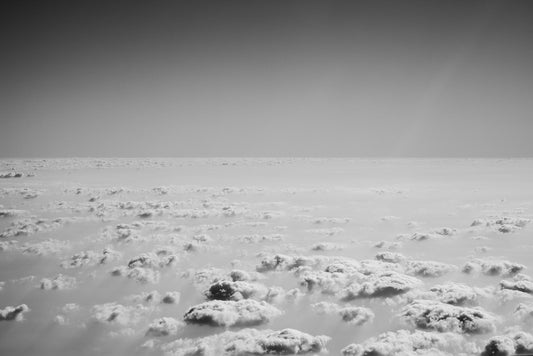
x=266, y=256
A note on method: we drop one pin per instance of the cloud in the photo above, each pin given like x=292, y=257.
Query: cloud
x=404, y=342
x=520, y=283
x=46, y=247
x=327, y=246
x=388, y=245
x=13, y=313
x=41, y=248
x=436, y=234
x=129, y=233
x=449, y=293
x=256, y=238
x=344, y=277
x=249, y=342
x=301, y=263
x=118, y=314
x=329, y=231
x=139, y=274
x=62, y=319
x=349, y=314
x=382, y=285
x=369, y=267
x=413, y=267
x=25, y=193
x=428, y=268
x=70, y=307
x=391, y=257
x=326, y=282
x=241, y=275
x=428, y=314
x=92, y=258
x=524, y=312
x=59, y=282
x=159, y=259
x=11, y=174
x=154, y=297
x=455, y=293
x=143, y=268
x=245, y=312
x=285, y=262
x=11, y=213
x=482, y=249
x=278, y=295
x=203, y=278
x=145, y=297
x=164, y=327
x=229, y=290
x=491, y=267
x=329, y=220
x=503, y=224
x=30, y=226
x=171, y=298
x=507, y=345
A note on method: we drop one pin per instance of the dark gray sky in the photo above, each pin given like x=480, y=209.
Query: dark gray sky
x=266, y=78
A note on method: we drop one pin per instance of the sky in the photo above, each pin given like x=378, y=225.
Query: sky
x=266, y=78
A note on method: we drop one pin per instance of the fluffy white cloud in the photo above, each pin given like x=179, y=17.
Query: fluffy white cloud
x=41, y=248
x=139, y=274
x=429, y=314
x=504, y=224
x=151, y=297
x=241, y=275
x=11, y=213
x=436, y=234
x=91, y=258
x=428, y=268
x=164, y=327
x=510, y=344
x=326, y=282
x=246, y=312
x=281, y=262
x=58, y=282
x=205, y=277
x=455, y=293
x=349, y=314
x=385, y=284
x=158, y=259
x=229, y=290
x=524, y=312
x=278, y=295
x=154, y=297
x=118, y=314
x=11, y=175
x=407, y=343
x=249, y=342
x=172, y=297
x=13, y=313
x=392, y=257
x=46, y=247
x=329, y=231
x=30, y=226
x=327, y=246
x=520, y=283
x=388, y=245
x=257, y=238
x=492, y=267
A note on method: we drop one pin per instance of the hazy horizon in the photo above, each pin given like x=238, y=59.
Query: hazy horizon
x=267, y=79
